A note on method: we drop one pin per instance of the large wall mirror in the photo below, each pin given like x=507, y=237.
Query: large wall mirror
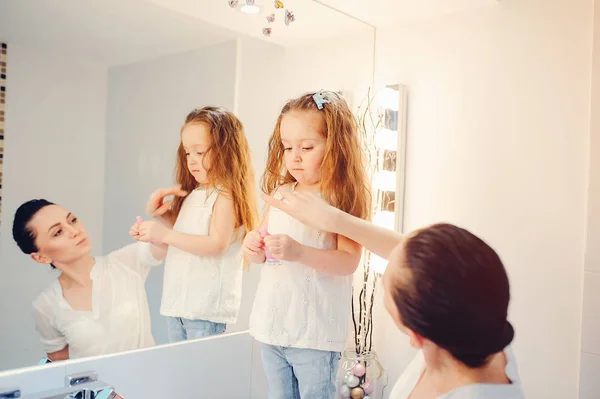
x=96, y=94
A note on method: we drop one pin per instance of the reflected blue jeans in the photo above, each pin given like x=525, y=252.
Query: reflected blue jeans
x=295, y=373
x=180, y=329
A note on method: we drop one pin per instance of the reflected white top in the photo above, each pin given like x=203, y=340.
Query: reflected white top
x=202, y=287
x=411, y=375
x=295, y=305
x=120, y=318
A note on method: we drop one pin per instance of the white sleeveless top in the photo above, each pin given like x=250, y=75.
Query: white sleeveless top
x=295, y=305
x=202, y=287
x=411, y=375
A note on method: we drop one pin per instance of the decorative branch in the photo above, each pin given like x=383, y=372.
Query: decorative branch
x=370, y=119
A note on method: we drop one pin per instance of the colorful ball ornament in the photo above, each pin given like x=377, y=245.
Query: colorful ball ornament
x=357, y=393
x=352, y=380
x=359, y=370
x=368, y=387
x=345, y=391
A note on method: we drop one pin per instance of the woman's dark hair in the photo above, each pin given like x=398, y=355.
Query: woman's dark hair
x=455, y=293
x=23, y=234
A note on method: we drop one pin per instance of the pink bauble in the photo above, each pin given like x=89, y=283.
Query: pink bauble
x=359, y=370
x=368, y=387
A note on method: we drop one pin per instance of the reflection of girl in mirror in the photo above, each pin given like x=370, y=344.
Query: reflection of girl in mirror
x=98, y=304
x=301, y=312
x=203, y=228
x=448, y=291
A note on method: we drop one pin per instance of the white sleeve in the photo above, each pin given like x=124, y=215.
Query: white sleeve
x=409, y=378
x=145, y=257
x=511, y=369
x=137, y=256
x=52, y=339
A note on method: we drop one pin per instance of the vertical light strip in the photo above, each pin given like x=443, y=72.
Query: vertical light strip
x=3, y=56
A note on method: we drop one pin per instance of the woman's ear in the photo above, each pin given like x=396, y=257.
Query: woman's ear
x=416, y=340
x=40, y=258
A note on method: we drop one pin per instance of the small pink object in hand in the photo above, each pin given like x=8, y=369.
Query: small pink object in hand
x=263, y=233
x=140, y=220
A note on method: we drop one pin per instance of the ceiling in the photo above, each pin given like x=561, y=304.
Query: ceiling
x=114, y=32
x=314, y=21
x=386, y=13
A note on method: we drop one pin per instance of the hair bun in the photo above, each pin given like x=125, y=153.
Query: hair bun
x=484, y=345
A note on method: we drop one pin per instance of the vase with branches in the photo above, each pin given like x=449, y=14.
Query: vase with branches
x=361, y=375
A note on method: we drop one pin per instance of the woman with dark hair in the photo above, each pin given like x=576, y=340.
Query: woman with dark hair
x=97, y=305
x=447, y=290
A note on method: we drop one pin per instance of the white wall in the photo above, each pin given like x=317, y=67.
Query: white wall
x=53, y=149
x=147, y=105
x=215, y=367
x=344, y=63
x=589, y=387
x=498, y=143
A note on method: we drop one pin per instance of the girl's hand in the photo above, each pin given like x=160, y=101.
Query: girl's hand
x=157, y=206
x=253, y=244
x=152, y=232
x=283, y=247
x=135, y=231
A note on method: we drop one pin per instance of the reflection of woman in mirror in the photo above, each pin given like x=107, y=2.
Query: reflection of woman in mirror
x=448, y=291
x=301, y=312
x=215, y=205
x=97, y=305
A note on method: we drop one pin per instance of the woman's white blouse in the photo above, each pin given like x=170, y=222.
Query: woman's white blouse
x=120, y=318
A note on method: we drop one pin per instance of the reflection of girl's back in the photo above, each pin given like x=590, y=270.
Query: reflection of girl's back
x=97, y=305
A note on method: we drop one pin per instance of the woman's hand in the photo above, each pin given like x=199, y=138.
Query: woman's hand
x=307, y=207
x=157, y=206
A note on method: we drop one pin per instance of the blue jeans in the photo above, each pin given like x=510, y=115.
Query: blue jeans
x=294, y=373
x=180, y=329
